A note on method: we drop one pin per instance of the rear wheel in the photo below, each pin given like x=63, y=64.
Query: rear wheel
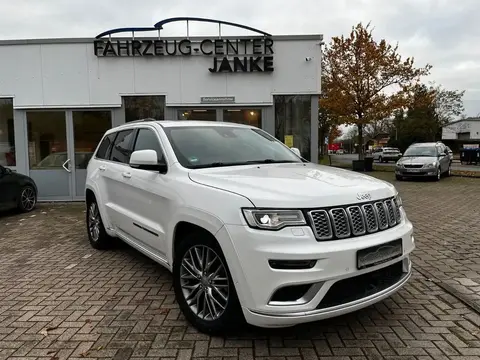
x=97, y=236
x=27, y=199
x=203, y=285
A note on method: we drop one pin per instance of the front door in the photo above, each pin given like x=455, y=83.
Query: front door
x=60, y=144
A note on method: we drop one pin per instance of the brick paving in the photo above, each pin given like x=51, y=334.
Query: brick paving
x=60, y=299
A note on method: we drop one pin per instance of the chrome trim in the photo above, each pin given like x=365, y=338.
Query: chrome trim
x=306, y=298
x=376, y=228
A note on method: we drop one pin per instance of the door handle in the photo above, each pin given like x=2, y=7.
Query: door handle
x=102, y=168
x=65, y=163
x=127, y=175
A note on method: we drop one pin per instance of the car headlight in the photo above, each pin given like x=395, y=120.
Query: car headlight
x=273, y=219
x=398, y=200
x=434, y=164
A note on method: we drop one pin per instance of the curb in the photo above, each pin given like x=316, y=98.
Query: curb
x=472, y=304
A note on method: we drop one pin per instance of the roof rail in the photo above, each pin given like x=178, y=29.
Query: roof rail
x=142, y=120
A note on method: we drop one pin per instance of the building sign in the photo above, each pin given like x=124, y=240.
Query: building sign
x=217, y=99
x=228, y=55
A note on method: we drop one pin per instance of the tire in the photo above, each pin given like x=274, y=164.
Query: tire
x=186, y=285
x=97, y=236
x=380, y=159
x=398, y=177
x=439, y=174
x=449, y=171
x=27, y=199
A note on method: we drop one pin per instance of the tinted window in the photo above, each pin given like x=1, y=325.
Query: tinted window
x=104, y=147
x=121, y=150
x=148, y=140
x=206, y=146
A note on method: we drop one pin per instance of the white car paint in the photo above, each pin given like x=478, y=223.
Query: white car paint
x=212, y=198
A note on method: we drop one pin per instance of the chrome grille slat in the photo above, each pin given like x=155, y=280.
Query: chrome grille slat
x=357, y=220
x=322, y=226
x=354, y=220
x=341, y=225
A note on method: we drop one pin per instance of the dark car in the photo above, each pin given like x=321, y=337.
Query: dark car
x=16, y=191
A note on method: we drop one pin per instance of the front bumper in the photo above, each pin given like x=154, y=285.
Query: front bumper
x=257, y=282
x=422, y=172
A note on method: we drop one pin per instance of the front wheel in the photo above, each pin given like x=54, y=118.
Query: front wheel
x=27, y=199
x=97, y=236
x=438, y=175
x=203, y=285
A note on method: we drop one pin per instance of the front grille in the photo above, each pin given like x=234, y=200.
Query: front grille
x=354, y=220
x=359, y=287
x=412, y=166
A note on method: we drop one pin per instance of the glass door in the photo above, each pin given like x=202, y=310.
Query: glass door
x=48, y=154
x=88, y=127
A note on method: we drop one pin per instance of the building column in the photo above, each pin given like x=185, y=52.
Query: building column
x=268, y=120
x=21, y=141
x=314, y=130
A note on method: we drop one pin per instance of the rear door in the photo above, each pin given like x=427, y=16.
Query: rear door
x=115, y=184
x=9, y=188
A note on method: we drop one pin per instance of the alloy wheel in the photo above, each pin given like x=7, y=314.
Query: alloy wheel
x=28, y=199
x=94, y=222
x=439, y=174
x=204, y=282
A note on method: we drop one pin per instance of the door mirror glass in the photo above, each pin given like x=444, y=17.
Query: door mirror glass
x=146, y=160
x=296, y=151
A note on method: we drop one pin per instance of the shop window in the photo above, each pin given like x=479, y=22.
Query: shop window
x=251, y=117
x=142, y=107
x=293, y=121
x=198, y=114
x=7, y=136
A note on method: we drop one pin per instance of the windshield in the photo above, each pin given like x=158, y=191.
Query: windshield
x=215, y=146
x=421, y=151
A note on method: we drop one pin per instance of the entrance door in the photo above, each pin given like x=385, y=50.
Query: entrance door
x=60, y=144
x=48, y=155
x=88, y=127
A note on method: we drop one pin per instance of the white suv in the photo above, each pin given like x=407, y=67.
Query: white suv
x=250, y=230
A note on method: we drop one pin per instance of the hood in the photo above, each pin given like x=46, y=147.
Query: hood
x=418, y=160
x=303, y=185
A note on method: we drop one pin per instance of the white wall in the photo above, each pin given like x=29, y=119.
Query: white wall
x=450, y=132
x=56, y=74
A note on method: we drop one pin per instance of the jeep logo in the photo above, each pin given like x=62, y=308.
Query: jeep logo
x=363, y=196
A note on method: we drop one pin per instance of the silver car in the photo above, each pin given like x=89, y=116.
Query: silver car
x=424, y=160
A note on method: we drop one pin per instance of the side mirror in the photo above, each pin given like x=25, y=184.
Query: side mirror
x=147, y=160
x=296, y=151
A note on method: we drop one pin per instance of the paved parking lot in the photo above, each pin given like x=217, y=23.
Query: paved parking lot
x=61, y=299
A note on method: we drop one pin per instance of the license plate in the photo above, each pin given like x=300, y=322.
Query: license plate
x=413, y=170
x=379, y=254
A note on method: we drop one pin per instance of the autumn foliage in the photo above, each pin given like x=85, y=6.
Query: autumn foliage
x=365, y=80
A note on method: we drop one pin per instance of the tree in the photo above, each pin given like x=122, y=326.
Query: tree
x=429, y=109
x=365, y=80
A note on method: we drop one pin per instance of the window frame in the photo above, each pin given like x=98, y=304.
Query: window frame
x=129, y=146
x=109, y=149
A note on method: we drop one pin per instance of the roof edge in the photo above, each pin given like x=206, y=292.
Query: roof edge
x=318, y=37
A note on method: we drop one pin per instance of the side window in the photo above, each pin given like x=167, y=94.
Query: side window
x=148, y=140
x=122, y=149
x=104, y=148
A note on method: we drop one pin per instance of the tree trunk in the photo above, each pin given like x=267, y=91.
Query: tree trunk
x=360, y=142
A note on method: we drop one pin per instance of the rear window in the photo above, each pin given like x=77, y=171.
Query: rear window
x=105, y=146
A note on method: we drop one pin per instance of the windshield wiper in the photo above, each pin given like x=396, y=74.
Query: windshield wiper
x=269, y=161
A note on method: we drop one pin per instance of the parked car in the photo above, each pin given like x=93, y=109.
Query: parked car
x=250, y=230
x=450, y=154
x=386, y=154
x=424, y=160
x=17, y=191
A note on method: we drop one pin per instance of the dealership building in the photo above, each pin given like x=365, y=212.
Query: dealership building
x=58, y=96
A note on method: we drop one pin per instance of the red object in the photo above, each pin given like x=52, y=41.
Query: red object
x=333, y=147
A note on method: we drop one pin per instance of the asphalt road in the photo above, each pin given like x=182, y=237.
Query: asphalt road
x=347, y=158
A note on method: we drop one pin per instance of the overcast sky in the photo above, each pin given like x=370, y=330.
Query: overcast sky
x=444, y=33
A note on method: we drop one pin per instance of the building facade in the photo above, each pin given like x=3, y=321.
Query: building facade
x=462, y=130
x=58, y=96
